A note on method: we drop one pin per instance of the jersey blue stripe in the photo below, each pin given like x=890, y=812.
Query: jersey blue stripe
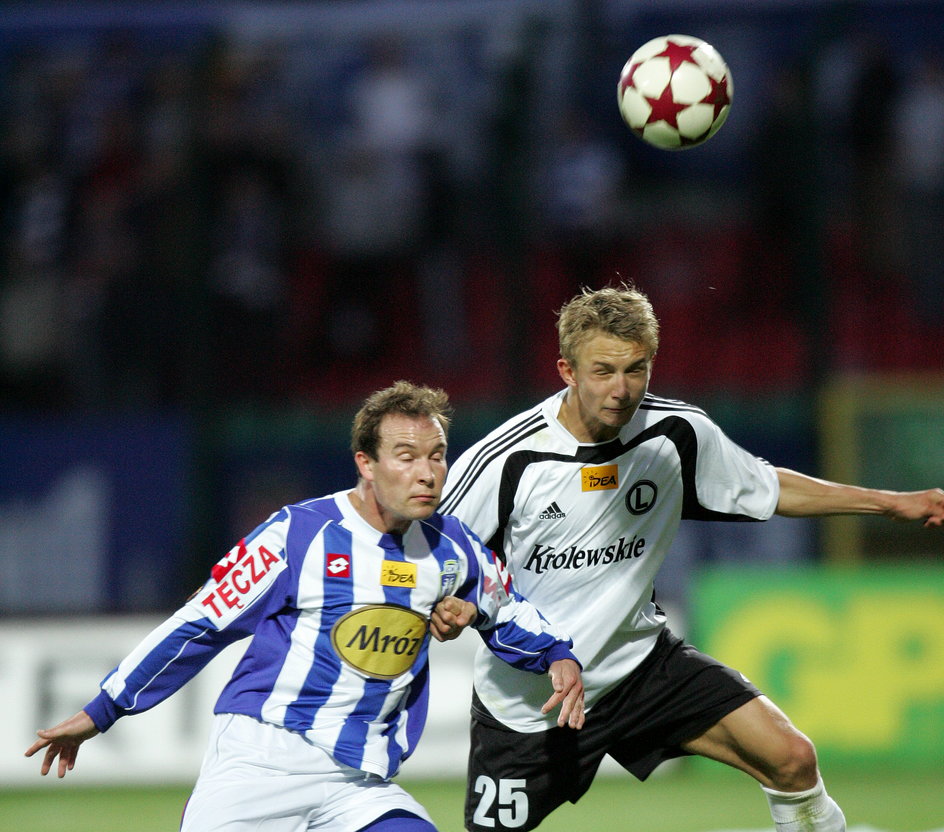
x=326, y=667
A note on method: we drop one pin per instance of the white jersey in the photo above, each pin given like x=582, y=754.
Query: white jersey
x=584, y=528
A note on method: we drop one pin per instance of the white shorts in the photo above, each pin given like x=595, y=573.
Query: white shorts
x=261, y=778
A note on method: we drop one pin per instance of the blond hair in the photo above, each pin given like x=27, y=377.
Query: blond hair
x=618, y=311
x=404, y=398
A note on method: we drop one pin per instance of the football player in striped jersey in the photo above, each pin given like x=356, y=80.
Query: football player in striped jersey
x=581, y=497
x=337, y=594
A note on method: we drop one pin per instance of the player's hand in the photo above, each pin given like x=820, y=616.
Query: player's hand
x=568, y=693
x=919, y=505
x=450, y=617
x=63, y=741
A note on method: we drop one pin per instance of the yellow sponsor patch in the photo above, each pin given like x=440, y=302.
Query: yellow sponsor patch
x=398, y=573
x=381, y=641
x=599, y=478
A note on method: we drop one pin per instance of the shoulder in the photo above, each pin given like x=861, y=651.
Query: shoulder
x=308, y=518
x=518, y=428
x=478, y=468
x=519, y=431
x=656, y=410
x=326, y=507
x=659, y=406
x=452, y=528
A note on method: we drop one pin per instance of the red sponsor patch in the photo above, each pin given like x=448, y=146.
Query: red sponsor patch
x=337, y=565
x=238, y=583
x=503, y=574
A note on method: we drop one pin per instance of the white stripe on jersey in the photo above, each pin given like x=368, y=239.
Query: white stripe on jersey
x=114, y=685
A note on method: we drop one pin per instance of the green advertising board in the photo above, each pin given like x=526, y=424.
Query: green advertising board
x=855, y=656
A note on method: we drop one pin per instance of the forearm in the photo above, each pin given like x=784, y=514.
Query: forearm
x=805, y=496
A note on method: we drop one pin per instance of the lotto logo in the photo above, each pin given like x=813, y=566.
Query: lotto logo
x=337, y=565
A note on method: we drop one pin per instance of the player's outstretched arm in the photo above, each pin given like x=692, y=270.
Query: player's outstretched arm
x=568, y=693
x=63, y=741
x=805, y=496
x=450, y=617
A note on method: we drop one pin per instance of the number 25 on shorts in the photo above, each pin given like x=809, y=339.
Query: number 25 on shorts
x=512, y=802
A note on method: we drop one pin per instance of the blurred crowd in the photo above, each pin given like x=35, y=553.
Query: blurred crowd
x=193, y=217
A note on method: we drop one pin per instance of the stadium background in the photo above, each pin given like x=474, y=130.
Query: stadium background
x=222, y=225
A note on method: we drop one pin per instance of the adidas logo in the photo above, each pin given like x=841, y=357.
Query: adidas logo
x=552, y=512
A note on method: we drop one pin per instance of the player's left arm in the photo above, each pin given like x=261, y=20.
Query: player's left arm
x=805, y=496
x=517, y=633
x=451, y=615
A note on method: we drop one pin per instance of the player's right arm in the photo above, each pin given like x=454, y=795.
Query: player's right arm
x=805, y=496
x=243, y=588
x=63, y=741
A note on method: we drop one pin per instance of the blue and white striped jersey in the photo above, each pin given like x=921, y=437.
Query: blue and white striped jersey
x=584, y=528
x=338, y=615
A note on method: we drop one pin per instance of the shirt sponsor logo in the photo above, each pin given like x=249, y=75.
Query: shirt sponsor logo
x=498, y=590
x=380, y=640
x=337, y=565
x=599, y=478
x=398, y=573
x=543, y=557
x=244, y=574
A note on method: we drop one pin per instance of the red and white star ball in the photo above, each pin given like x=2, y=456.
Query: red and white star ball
x=675, y=92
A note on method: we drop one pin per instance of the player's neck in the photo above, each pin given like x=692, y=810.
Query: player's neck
x=366, y=505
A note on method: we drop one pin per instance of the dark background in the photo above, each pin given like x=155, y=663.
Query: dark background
x=222, y=225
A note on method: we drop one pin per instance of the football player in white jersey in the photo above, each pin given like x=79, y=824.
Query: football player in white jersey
x=581, y=496
x=339, y=595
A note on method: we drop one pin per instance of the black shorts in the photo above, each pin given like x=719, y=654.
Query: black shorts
x=516, y=779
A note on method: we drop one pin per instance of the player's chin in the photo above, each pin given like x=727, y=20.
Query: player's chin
x=617, y=417
x=421, y=508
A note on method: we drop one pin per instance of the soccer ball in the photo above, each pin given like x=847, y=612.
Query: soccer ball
x=675, y=92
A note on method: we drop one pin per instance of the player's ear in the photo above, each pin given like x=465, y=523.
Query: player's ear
x=566, y=372
x=364, y=463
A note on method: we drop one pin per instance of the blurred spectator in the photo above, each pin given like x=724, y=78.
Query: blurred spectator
x=870, y=139
x=245, y=171
x=919, y=165
x=582, y=196
x=375, y=185
x=390, y=102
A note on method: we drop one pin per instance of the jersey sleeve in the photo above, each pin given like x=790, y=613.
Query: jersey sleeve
x=730, y=482
x=243, y=588
x=511, y=627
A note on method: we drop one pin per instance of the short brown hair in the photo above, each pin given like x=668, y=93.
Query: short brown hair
x=404, y=398
x=619, y=311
